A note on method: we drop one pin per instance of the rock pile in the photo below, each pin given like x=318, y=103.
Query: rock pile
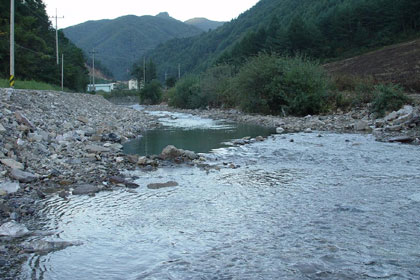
x=51, y=141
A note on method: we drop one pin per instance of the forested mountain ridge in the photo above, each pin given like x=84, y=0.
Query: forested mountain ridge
x=35, y=52
x=122, y=40
x=325, y=29
x=204, y=24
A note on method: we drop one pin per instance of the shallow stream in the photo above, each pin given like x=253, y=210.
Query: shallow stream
x=339, y=206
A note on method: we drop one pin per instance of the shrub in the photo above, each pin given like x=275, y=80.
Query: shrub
x=388, y=98
x=272, y=84
x=151, y=94
x=186, y=94
x=215, y=84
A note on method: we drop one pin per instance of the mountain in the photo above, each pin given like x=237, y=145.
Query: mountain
x=204, y=24
x=327, y=29
x=119, y=42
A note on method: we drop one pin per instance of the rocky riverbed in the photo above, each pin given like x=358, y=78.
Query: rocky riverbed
x=70, y=143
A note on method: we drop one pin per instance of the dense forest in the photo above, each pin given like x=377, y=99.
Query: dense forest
x=35, y=53
x=325, y=29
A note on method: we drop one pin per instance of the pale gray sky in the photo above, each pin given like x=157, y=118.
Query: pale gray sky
x=78, y=11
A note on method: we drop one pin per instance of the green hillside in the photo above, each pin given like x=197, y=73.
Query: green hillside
x=204, y=24
x=121, y=41
x=35, y=53
x=324, y=29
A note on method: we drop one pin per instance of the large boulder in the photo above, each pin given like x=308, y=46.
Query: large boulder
x=22, y=176
x=171, y=152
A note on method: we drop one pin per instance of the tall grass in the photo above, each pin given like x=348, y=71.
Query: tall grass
x=4, y=83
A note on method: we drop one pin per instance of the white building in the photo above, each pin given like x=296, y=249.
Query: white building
x=133, y=84
x=101, y=87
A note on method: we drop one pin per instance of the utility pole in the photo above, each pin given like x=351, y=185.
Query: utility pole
x=179, y=71
x=93, y=52
x=62, y=72
x=56, y=34
x=12, y=44
x=144, y=71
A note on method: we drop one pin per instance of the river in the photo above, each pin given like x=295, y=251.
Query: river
x=296, y=206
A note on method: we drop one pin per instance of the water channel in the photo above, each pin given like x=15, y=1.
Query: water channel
x=339, y=206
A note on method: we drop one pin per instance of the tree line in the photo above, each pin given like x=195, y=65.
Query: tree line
x=324, y=29
x=35, y=53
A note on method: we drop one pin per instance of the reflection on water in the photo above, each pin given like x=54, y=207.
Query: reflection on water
x=315, y=208
x=189, y=132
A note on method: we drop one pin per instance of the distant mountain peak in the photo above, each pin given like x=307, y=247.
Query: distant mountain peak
x=163, y=15
x=204, y=24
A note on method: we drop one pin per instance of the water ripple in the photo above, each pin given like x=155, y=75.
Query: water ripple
x=332, y=207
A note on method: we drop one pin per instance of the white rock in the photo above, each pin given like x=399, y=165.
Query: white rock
x=279, y=130
x=2, y=129
x=13, y=229
x=9, y=187
x=119, y=159
x=362, y=126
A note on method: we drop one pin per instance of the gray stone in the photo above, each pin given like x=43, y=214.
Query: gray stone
x=34, y=137
x=2, y=129
x=97, y=149
x=22, y=119
x=11, y=163
x=85, y=189
x=362, y=126
x=190, y=155
x=42, y=246
x=392, y=116
x=171, y=152
x=13, y=229
x=22, y=176
x=9, y=187
x=82, y=119
x=259, y=139
x=393, y=128
x=156, y=186
x=402, y=139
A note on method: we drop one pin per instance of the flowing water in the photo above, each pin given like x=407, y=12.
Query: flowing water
x=338, y=206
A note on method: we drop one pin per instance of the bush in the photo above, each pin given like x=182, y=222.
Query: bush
x=151, y=94
x=215, y=85
x=272, y=84
x=388, y=98
x=187, y=94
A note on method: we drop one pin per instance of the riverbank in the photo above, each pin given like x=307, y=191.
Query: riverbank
x=399, y=126
x=55, y=142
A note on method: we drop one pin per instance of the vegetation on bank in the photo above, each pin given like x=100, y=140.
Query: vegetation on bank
x=281, y=85
x=4, y=83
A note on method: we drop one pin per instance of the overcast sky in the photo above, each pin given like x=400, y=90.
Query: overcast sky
x=78, y=11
